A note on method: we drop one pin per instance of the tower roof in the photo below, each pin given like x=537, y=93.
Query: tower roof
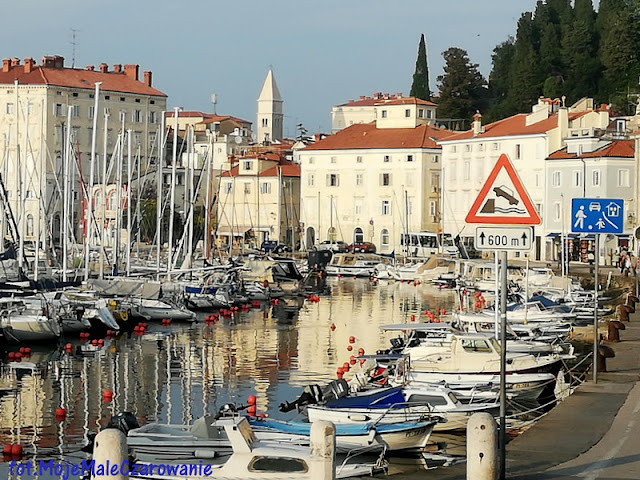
x=270, y=90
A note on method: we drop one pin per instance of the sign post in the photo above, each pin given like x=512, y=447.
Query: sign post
x=596, y=216
x=503, y=201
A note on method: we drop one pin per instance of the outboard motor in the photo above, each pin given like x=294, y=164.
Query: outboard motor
x=311, y=395
x=336, y=389
x=124, y=422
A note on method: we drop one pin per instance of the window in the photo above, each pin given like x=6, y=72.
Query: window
x=334, y=159
x=409, y=158
x=453, y=149
x=539, y=209
x=386, y=207
x=577, y=178
x=265, y=122
x=435, y=158
x=518, y=151
x=623, y=177
x=75, y=111
x=357, y=207
x=556, y=211
x=228, y=187
x=247, y=188
x=137, y=116
x=29, y=194
x=153, y=117
x=29, y=225
x=408, y=179
x=359, y=179
x=387, y=159
x=385, y=179
x=91, y=112
x=467, y=148
x=556, y=178
x=123, y=116
x=453, y=172
x=407, y=113
x=358, y=159
x=421, y=113
x=358, y=235
x=435, y=182
x=481, y=147
x=429, y=114
x=107, y=97
x=247, y=164
x=433, y=208
x=311, y=180
x=333, y=180
x=311, y=161
x=595, y=178
x=384, y=237
x=58, y=110
x=383, y=114
x=266, y=187
x=9, y=109
x=467, y=171
x=495, y=146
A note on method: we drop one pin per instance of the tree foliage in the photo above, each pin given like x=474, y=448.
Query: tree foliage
x=420, y=85
x=462, y=88
x=566, y=48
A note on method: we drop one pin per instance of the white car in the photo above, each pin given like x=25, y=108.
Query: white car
x=337, y=246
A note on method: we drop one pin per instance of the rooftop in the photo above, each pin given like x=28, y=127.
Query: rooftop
x=386, y=99
x=615, y=149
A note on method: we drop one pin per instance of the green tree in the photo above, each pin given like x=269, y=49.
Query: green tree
x=420, y=85
x=526, y=84
x=500, y=80
x=462, y=88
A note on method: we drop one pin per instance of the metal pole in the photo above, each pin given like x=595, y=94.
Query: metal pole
x=172, y=205
x=503, y=364
x=88, y=224
x=496, y=301
x=595, y=311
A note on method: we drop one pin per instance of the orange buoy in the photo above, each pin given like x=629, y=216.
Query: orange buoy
x=340, y=373
x=346, y=367
x=252, y=410
x=251, y=399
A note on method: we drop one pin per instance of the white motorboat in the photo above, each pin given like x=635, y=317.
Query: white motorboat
x=21, y=322
x=355, y=264
x=155, y=310
x=254, y=459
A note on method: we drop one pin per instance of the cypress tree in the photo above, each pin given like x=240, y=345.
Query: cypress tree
x=420, y=85
x=500, y=80
x=526, y=84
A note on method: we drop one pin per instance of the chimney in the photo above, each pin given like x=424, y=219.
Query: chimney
x=477, y=124
x=47, y=62
x=90, y=68
x=147, y=79
x=6, y=65
x=131, y=71
x=104, y=68
x=15, y=62
x=58, y=61
x=117, y=68
x=362, y=97
x=28, y=65
x=399, y=95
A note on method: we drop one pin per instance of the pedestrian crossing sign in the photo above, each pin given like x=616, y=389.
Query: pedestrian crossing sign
x=503, y=200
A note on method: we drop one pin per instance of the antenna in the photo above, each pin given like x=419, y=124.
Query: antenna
x=73, y=45
x=214, y=100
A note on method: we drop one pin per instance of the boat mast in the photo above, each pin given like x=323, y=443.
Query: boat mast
x=105, y=182
x=19, y=201
x=128, y=252
x=40, y=238
x=89, y=218
x=207, y=198
x=173, y=186
x=65, y=196
x=159, y=164
x=192, y=196
x=119, y=197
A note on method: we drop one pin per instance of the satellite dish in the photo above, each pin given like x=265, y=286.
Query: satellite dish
x=238, y=140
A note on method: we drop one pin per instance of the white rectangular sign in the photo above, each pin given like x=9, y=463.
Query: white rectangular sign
x=504, y=238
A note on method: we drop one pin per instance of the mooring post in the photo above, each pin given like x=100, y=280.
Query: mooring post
x=482, y=447
x=109, y=456
x=323, y=451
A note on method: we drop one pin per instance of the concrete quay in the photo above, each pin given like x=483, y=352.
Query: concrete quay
x=593, y=434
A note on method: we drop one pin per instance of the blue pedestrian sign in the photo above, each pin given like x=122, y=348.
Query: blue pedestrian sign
x=597, y=215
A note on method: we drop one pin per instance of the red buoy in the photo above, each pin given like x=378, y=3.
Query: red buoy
x=413, y=318
x=251, y=399
x=16, y=450
x=61, y=412
x=352, y=339
x=346, y=367
x=6, y=449
x=252, y=410
x=360, y=352
x=333, y=327
x=349, y=348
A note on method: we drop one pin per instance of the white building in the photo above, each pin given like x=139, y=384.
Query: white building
x=364, y=110
x=372, y=182
x=270, y=124
x=527, y=139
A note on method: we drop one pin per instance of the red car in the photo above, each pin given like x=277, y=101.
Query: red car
x=361, y=247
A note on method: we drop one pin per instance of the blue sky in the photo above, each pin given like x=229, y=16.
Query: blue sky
x=322, y=53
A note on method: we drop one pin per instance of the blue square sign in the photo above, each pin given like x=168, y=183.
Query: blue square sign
x=597, y=215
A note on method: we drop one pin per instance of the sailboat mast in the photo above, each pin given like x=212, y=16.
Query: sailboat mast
x=19, y=204
x=66, y=167
x=89, y=218
x=40, y=237
x=207, y=199
x=128, y=252
x=159, y=164
x=192, y=196
x=105, y=146
x=172, y=205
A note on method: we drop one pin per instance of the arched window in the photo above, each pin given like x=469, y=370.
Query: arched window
x=29, y=225
x=113, y=201
x=358, y=235
x=331, y=234
x=311, y=237
x=384, y=238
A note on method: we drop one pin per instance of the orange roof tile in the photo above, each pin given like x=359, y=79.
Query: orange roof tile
x=76, y=78
x=617, y=149
x=407, y=101
x=515, y=125
x=287, y=168
x=379, y=99
x=362, y=136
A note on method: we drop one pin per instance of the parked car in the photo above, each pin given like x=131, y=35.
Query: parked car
x=362, y=247
x=337, y=246
x=274, y=246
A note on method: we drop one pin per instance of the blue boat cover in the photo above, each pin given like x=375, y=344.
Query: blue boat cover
x=385, y=398
x=301, y=428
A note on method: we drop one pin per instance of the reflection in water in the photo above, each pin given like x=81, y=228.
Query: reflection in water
x=175, y=374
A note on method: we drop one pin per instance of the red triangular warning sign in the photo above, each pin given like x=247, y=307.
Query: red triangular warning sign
x=503, y=199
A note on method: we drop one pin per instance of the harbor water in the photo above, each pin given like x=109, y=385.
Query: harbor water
x=176, y=373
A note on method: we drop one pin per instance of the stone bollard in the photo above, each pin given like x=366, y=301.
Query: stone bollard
x=482, y=447
x=623, y=312
x=323, y=451
x=109, y=451
x=604, y=352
